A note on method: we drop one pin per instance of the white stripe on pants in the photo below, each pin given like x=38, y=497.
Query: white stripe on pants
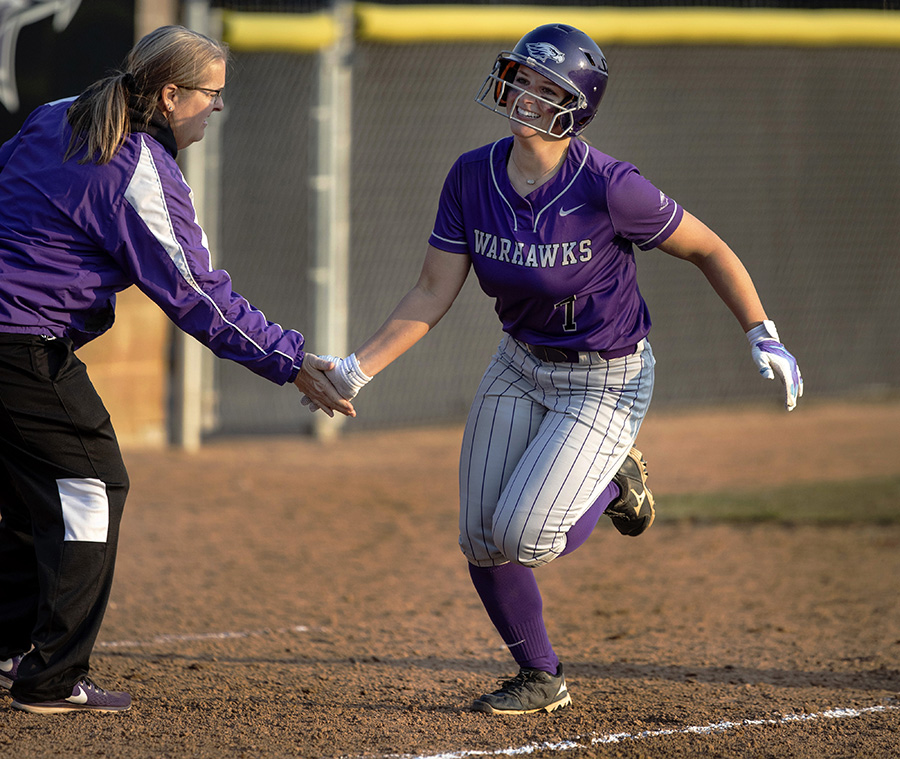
x=541, y=443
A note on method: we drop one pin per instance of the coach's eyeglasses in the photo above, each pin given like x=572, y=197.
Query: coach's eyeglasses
x=213, y=95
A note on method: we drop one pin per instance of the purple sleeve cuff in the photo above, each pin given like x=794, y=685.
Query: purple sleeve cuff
x=298, y=362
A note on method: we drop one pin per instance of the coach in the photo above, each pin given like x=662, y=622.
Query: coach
x=92, y=201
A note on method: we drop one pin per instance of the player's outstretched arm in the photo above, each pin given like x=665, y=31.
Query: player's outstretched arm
x=442, y=277
x=695, y=242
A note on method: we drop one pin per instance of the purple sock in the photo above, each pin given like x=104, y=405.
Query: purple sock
x=581, y=530
x=513, y=602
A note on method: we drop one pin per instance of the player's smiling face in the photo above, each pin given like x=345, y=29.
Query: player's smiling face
x=533, y=100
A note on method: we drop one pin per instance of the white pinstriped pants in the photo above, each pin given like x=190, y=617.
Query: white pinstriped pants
x=541, y=443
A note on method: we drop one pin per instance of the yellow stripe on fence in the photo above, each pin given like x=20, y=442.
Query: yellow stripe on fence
x=398, y=24
x=629, y=26
x=278, y=32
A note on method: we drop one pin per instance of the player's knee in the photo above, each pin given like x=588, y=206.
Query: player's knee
x=479, y=552
x=534, y=560
x=500, y=549
x=527, y=555
x=493, y=558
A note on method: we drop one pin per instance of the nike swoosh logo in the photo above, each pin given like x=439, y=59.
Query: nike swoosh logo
x=640, y=499
x=78, y=698
x=566, y=212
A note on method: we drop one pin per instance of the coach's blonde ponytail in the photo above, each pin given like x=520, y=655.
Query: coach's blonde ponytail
x=102, y=116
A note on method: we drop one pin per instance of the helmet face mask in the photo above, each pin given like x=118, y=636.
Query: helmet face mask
x=565, y=56
x=501, y=94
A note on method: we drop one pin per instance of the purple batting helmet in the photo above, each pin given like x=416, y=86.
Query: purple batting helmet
x=569, y=59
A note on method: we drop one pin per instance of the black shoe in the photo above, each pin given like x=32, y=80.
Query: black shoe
x=532, y=690
x=633, y=511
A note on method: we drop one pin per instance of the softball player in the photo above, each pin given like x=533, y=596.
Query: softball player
x=549, y=223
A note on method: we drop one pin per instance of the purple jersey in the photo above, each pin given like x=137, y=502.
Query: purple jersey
x=559, y=263
x=73, y=235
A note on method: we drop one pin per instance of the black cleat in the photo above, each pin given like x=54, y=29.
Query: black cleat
x=532, y=690
x=632, y=512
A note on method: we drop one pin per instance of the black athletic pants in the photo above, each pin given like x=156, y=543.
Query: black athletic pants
x=62, y=491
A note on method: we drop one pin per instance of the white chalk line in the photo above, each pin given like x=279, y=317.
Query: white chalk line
x=595, y=740
x=567, y=745
x=192, y=637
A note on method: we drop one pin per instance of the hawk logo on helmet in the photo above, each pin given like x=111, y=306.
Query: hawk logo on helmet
x=544, y=51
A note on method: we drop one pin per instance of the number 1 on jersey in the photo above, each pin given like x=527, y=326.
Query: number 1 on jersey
x=568, y=313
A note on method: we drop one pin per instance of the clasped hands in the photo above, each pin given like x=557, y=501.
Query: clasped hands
x=346, y=378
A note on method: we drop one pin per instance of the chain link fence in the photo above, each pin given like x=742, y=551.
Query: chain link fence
x=791, y=154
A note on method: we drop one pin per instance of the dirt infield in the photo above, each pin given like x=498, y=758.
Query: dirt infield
x=284, y=598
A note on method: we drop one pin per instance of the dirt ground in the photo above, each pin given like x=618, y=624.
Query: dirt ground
x=288, y=598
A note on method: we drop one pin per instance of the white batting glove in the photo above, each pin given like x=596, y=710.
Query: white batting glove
x=772, y=358
x=347, y=378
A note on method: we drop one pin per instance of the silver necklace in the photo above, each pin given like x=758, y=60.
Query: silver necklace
x=535, y=181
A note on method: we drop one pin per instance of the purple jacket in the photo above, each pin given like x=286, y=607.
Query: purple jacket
x=73, y=235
